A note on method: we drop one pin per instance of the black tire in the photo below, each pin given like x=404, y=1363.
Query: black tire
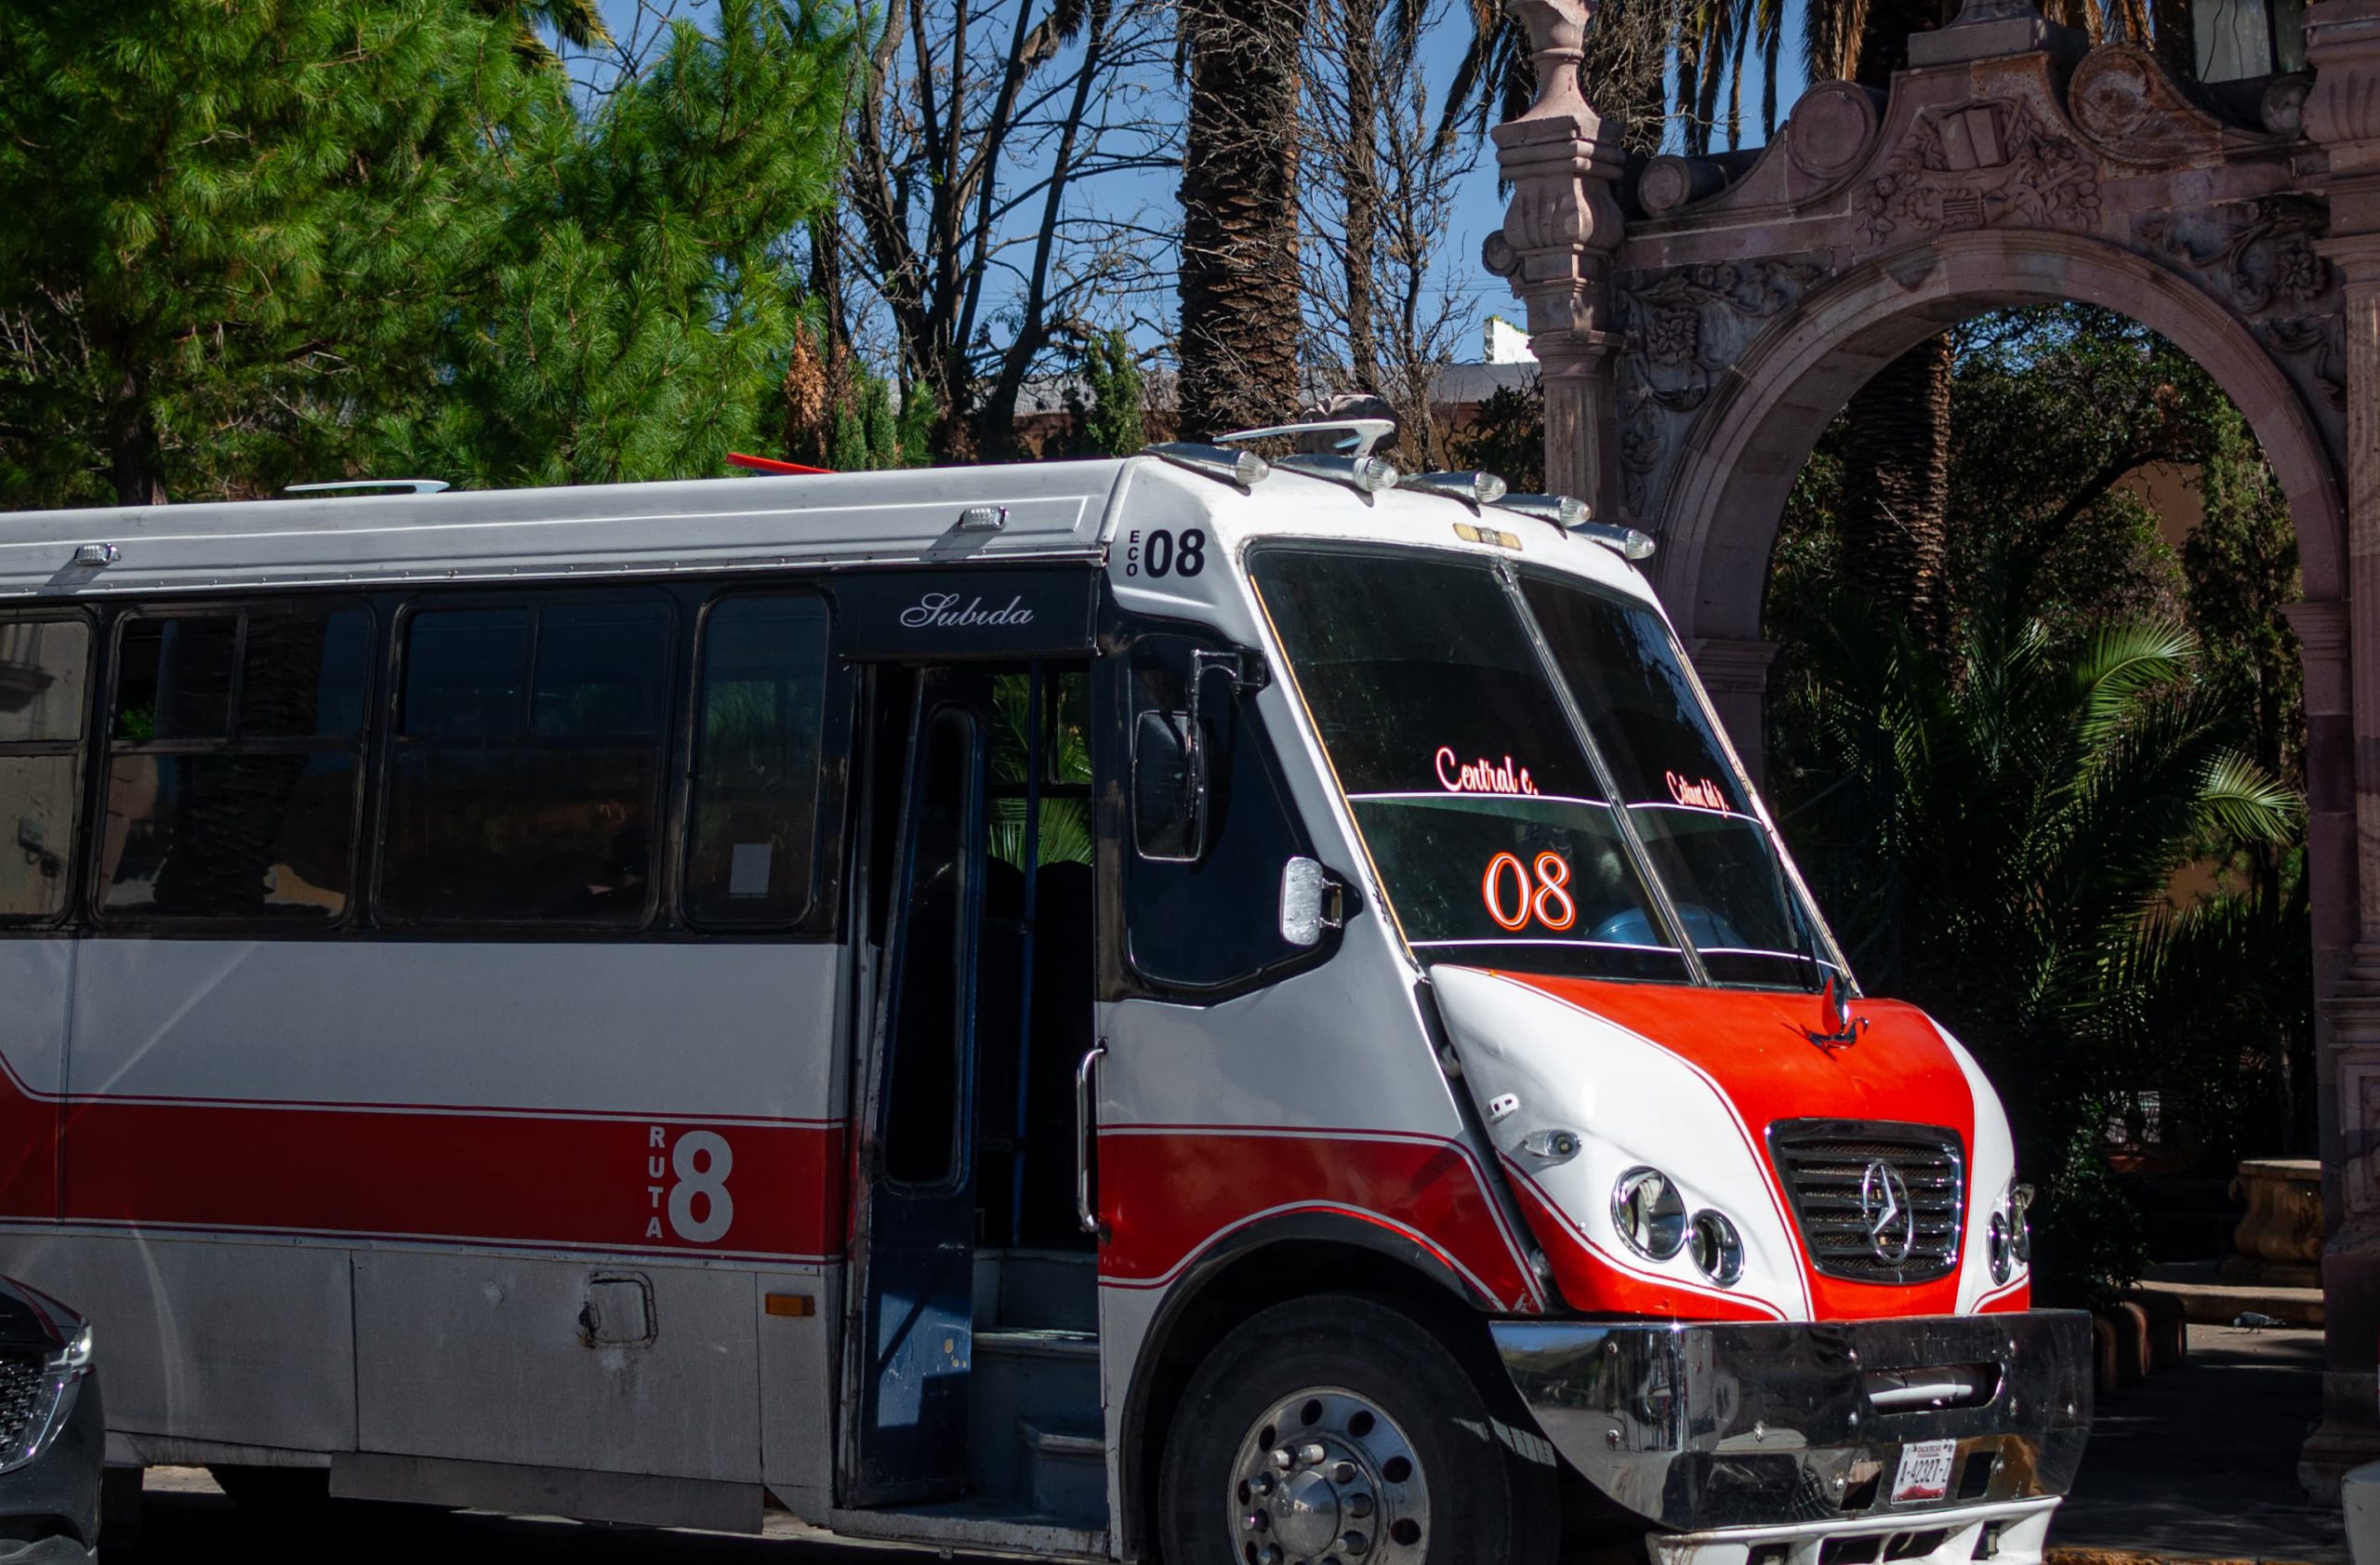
x=1483, y=1503
x=119, y=1509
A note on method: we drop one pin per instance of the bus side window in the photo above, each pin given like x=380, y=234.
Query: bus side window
x=524, y=774
x=1214, y=923
x=753, y=823
x=45, y=669
x=233, y=758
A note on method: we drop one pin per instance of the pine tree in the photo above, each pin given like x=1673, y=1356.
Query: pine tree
x=1112, y=377
x=229, y=227
x=634, y=318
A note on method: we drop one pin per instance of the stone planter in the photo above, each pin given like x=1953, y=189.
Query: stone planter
x=2279, y=1238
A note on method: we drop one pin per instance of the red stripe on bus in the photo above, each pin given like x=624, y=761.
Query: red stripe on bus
x=441, y=1174
x=1593, y=1284
x=1168, y=1193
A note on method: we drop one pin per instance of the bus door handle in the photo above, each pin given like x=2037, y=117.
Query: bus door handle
x=1085, y=1137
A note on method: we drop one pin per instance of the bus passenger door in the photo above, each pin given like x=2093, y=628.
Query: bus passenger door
x=907, y=1358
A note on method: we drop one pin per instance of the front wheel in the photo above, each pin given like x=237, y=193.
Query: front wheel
x=1338, y=1431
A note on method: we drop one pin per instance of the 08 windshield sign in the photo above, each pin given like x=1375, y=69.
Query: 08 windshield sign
x=1535, y=777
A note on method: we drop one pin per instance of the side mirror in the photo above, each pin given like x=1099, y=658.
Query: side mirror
x=1312, y=900
x=1168, y=787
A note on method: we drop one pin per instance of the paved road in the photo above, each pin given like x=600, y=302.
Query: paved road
x=186, y=1520
x=2201, y=1460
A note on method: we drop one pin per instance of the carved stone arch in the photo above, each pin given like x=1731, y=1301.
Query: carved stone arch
x=1753, y=432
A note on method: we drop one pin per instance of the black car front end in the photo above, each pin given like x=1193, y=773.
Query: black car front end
x=53, y=1432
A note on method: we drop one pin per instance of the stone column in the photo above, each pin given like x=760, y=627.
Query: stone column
x=2343, y=710
x=1555, y=249
x=1735, y=673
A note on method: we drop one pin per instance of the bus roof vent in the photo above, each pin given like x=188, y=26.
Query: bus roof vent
x=1243, y=468
x=370, y=486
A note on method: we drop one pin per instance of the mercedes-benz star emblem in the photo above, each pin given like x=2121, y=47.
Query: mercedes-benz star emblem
x=1883, y=1207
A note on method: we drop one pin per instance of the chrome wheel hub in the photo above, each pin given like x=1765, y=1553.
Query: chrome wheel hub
x=1324, y=1477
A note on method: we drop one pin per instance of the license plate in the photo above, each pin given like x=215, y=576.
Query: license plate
x=1925, y=1471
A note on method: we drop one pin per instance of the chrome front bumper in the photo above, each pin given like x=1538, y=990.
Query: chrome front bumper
x=1773, y=1427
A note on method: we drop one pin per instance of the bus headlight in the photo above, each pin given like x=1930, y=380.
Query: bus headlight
x=1649, y=1213
x=1717, y=1248
x=2008, y=1237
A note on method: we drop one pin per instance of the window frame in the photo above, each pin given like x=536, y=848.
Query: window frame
x=99, y=734
x=834, y=701
x=666, y=796
x=1119, y=863
x=689, y=597
x=968, y=927
x=87, y=780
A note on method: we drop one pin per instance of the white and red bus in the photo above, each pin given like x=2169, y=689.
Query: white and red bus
x=1145, y=1009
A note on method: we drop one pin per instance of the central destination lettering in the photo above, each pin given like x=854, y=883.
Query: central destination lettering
x=1483, y=775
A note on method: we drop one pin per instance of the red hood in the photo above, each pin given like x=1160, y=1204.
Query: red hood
x=1756, y=1045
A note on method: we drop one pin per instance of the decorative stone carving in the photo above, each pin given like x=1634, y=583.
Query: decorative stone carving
x=2260, y=257
x=1554, y=249
x=2281, y=110
x=2317, y=344
x=2124, y=103
x=1561, y=165
x=1670, y=182
x=1679, y=331
x=1980, y=164
x=1832, y=127
x=2255, y=255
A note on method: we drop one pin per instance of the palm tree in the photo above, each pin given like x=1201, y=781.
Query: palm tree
x=1239, y=262
x=2002, y=822
x=578, y=24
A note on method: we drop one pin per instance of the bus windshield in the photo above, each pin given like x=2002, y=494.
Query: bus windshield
x=1534, y=773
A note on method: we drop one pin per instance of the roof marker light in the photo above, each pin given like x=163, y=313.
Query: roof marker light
x=1472, y=488
x=1629, y=543
x=1243, y=468
x=1566, y=511
x=1367, y=475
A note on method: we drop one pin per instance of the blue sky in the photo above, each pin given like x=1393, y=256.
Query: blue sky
x=1478, y=211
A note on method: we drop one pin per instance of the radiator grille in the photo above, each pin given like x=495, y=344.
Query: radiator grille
x=26, y=1392
x=1839, y=1175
